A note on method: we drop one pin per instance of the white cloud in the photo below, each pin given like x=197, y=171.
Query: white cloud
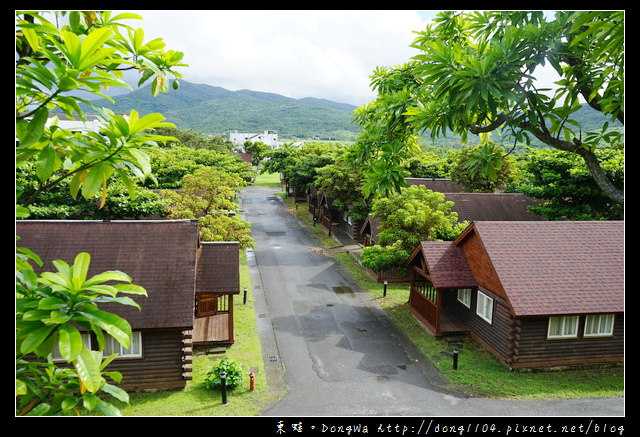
x=324, y=54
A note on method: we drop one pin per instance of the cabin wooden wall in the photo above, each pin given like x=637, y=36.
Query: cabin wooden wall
x=522, y=342
x=162, y=365
x=494, y=336
x=534, y=350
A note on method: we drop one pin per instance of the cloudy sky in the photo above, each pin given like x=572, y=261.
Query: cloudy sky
x=324, y=54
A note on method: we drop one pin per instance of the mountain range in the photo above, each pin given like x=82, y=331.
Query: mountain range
x=208, y=109
x=215, y=110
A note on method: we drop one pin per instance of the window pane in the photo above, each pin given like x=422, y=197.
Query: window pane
x=111, y=346
x=136, y=345
x=599, y=324
x=484, y=307
x=570, y=326
x=464, y=296
x=563, y=327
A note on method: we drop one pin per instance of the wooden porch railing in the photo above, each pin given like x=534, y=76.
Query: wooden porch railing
x=426, y=310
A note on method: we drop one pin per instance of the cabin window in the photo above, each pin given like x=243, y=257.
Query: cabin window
x=563, y=327
x=86, y=340
x=484, y=307
x=599, y=325
x=113, y=347
x=464, y=296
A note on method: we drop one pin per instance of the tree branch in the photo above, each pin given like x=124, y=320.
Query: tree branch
x=478, y=129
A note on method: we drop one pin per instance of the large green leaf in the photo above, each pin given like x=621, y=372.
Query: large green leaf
x=34, y=338
x=88, y=368
x=110, y=275
x=115, y=325
x=69, y=342
x=29, y=133
x=79, y=269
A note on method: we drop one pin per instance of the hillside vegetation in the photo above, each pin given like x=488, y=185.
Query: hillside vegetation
x=216, y=110
x=211, y=109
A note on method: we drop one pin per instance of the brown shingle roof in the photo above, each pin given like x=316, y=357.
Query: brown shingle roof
x=447, y=265
x=556, y=267
x=492, y=206
x=159, y=255
x=439, y=185
x=218, y=268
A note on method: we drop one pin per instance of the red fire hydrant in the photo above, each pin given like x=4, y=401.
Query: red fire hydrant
x=252, y=383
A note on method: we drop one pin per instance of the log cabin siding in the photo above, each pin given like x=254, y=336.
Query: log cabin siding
x=161, y=365
x=494, y=335
x=535, y=350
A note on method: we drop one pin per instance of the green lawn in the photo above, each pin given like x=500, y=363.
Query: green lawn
x=268, y=180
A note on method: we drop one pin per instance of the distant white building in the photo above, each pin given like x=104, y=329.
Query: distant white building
x=91, y=124
x=268, y=137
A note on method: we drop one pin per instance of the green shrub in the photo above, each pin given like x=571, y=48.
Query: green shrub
x=380, y=258
x=234, y=374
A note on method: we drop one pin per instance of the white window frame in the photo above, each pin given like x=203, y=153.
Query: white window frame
x=603, y=325
x=484, y=307
x=112, y=346
x=568, y=327
x=464, y=296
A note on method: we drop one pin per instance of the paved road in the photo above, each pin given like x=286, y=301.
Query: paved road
x=332, y=350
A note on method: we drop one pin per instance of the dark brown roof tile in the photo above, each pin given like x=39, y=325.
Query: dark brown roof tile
x=159, y=255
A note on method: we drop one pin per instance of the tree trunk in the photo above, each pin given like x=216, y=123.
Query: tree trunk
x=575, y=146
x=599, y=175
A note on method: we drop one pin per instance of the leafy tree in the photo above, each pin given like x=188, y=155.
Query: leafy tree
x=57, y=202
x=207, y=195
x=415, y=214
x=483, y=168
x=428, y=165
x=300, y=166
x=387, y=140
x=344, y=186
x=87, y=54
x=475, y=73
x=380, y=258
x=172, y=164
x=564, y=182
x=275, y=159
x=53, y=65
x=258, y=151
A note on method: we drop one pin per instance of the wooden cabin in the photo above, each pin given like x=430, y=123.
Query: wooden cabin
x=534, y=293
x=168, y=260
x=329, y=215
x=217, y=281
x=369, y=231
